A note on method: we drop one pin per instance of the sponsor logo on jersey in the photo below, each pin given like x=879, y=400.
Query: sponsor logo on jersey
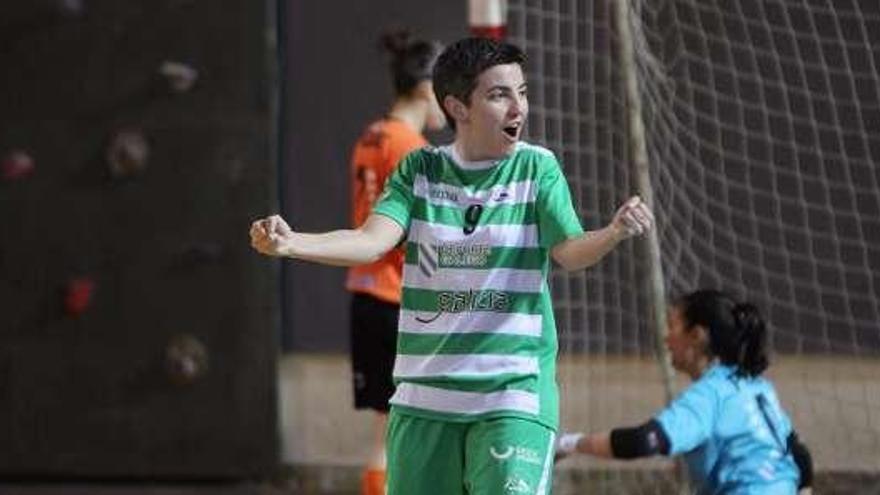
x=443, y=193
x=472, y=300
x=432, y=257
x=502, y=196
x=428, y=259
x=468, y=301
x=463, y=255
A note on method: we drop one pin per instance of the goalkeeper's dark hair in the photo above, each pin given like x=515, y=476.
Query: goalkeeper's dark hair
x=737, y=332
x=458, y=67
x=411, y=60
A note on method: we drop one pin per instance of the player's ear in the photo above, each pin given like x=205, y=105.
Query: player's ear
x=456, y=108
x=700, y=337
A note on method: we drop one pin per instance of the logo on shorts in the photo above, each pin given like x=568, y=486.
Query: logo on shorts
x=360, y=381
x=529, y=456
x=518, y=454
x=501, y=455
x=515, y=484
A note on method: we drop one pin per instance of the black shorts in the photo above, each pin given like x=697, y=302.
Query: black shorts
x=373, y=346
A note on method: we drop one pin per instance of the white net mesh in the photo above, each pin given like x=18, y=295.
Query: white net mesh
x=763, y=125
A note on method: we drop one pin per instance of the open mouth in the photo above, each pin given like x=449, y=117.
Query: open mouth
x=512, y=131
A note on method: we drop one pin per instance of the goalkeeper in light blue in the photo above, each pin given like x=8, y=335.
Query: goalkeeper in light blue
x=728, y=424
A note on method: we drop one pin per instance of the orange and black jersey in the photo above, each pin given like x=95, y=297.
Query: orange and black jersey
x=377, y=152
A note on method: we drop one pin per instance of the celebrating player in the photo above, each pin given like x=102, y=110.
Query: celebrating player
x=728, y=423
x=476, y=405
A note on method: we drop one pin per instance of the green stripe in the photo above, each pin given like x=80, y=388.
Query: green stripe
x=513, y=302
x=470, y=343
x=500, y=257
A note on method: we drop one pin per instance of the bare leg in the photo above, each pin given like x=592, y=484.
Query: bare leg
x=373, y=482
x=377, y=453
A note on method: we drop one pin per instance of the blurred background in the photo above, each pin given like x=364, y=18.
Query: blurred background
x=144, y=348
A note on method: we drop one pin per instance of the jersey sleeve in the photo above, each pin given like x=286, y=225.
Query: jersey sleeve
x=396, y=199
x=689, y=420
x=557, y=219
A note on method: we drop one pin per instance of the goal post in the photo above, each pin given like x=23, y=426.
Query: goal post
x=627, y=25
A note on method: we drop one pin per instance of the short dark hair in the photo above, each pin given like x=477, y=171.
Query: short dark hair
x=737, y=332
x=458, y=67
x=412, y=60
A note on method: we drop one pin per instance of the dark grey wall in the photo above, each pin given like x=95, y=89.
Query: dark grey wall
x=90, y=395
x=336, y=81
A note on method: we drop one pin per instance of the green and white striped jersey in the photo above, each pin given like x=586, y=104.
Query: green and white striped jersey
x=477, y=337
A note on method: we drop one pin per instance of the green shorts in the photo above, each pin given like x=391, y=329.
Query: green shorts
x=502, y=456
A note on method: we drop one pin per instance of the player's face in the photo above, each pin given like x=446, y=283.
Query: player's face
x=684, y=344
x=497, y=112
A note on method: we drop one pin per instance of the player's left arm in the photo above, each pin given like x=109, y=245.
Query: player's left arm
x=632, y=218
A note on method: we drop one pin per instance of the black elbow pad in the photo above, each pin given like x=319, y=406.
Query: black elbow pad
x=802, y=458
x=642, y=441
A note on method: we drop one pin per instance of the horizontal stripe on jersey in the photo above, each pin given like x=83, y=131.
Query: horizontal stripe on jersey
x=463, y=279
x=499, y=235
x=450, y=195
x=477, y=343
x=427, y=322
x=458, y=402
x=463, y=365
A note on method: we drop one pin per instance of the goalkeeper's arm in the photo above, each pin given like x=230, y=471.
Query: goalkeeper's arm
x=620, y=443
x=649, y=439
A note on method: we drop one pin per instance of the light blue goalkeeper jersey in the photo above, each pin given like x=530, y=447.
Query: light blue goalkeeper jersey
x=477, y=337
x=733, y=434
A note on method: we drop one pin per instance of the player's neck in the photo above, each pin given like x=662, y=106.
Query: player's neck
x=698, y=367
x=411, y=111
x=474, y=150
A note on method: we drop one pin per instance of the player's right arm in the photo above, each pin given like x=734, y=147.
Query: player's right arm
x=272, y=236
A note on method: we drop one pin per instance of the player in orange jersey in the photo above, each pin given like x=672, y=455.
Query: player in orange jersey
x=375, y=287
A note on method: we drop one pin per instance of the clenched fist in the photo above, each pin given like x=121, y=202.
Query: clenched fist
x=633, y=218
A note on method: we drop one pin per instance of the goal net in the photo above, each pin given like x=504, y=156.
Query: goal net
x=762, y=122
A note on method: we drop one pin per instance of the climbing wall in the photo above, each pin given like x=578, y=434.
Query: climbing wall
x=137, y=336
